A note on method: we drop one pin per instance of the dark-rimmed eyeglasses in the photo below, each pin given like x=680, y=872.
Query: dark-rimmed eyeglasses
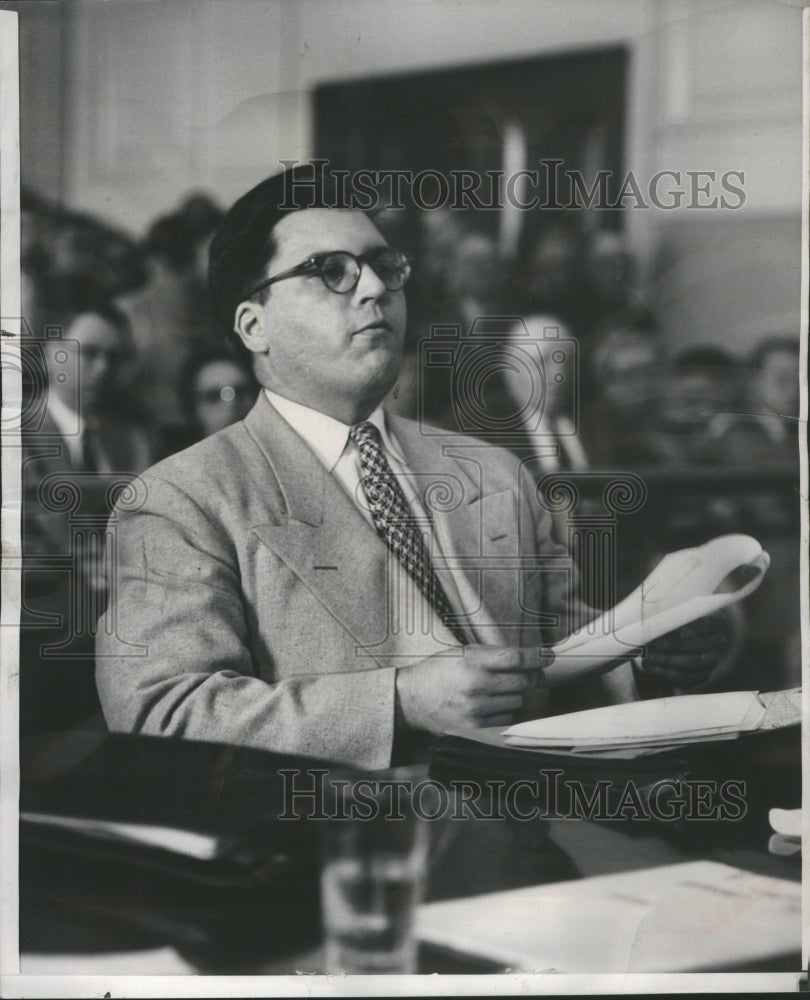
x=340, y=270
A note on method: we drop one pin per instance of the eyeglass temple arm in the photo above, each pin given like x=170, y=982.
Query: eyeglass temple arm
x=302, y=268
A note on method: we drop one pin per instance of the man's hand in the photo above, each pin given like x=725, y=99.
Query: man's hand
x=486, y=686
x=688, y=658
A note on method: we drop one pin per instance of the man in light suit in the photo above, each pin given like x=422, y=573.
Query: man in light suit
x=321, y=578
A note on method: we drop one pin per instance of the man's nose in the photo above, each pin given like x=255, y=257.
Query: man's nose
x=369, y=286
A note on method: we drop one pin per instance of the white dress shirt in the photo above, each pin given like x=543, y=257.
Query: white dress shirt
x=70, y=425
x=559, y=431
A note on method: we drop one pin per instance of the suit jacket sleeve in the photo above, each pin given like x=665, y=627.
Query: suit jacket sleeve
x=175, y=656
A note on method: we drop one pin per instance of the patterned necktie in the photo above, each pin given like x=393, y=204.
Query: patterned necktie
x=395, y=522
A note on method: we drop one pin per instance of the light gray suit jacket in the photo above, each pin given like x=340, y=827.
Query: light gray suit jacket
x=251, y=599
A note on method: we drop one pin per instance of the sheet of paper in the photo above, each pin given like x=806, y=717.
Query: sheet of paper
x=695, y=916
x=495, y=737
x=186, y=842
x=684, y=586
x=654, y=721
x=152, y=962
x=787, y=822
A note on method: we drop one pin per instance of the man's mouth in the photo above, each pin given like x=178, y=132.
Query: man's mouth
x=375, y=326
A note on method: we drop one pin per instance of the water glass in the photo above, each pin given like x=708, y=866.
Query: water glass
x=372, y=879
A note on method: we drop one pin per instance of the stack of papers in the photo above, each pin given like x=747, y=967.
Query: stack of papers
x=660, y=723
x=696, y=916
x=188, y=843
x=787, y=835
x=684, y=586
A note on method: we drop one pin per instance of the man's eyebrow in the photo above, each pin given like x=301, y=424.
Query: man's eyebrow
x=323, y=253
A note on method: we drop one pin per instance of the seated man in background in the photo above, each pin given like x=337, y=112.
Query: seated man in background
x=322, y=578
x=703, y=384
x=75, y=448
x=765, y=428
x=170, y=316
x=622, y=423
x=763, y=436
x=82, y=430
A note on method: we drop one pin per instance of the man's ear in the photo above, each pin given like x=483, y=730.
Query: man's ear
x=249, y=323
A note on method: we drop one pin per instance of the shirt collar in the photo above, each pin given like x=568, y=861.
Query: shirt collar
x=66, y=419
x=326, y=436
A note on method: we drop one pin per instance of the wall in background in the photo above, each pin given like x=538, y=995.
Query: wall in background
x=43, y=73
x=142, y=100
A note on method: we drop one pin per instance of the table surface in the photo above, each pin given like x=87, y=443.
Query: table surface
x=468, y=857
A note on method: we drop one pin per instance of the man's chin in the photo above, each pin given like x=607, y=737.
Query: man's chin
x=379, y=379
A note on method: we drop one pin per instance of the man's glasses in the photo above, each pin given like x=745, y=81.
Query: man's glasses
x=340, y=270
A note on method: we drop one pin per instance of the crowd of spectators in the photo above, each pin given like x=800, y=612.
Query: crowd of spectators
x=127, y=365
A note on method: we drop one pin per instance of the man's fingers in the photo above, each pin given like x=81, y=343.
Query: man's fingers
x=494, y=720
x=508, y=658
x=488, y=682
x=498, y=705
x=537, y=657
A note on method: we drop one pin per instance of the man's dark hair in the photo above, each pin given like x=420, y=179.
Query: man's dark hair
x=201, y=215
x=244, y=244
x=64, y=297
x=169, y=240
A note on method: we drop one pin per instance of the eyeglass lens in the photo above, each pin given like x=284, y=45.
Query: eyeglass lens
x=340, y=271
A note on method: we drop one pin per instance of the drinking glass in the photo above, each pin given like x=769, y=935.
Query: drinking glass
x=373, y=874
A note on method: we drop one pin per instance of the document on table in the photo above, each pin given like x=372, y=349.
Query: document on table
x=787, y=835
x=684, y=586
x=696, y=916
x=188, y=843
x=153, y=962
x=661, y=722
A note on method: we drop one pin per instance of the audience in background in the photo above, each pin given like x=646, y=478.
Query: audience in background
x=216, y=389
x=440, y=234
x=763, y=434
x=474, y=278
x=764, y=429
x=78, y=450
x=62, y=243
x=621, y=422
x=81, y=428
x=171, y=316
x=703, y=384
x=540, y=381
x=608, y=270
x=550, y=276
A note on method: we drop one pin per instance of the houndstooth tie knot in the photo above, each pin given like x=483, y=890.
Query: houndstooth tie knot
x=395, y=523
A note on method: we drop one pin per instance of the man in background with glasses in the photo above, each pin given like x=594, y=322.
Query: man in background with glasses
x=305, y=581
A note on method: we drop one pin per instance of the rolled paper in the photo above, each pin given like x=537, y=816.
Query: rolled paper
x=684, y=586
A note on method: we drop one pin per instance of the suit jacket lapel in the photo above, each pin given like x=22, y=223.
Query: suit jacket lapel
x=48, y=447
x=324, y=539
x=482, y=528
x=318, y=531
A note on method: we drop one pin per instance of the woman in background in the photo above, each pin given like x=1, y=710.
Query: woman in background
x=215, y=390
